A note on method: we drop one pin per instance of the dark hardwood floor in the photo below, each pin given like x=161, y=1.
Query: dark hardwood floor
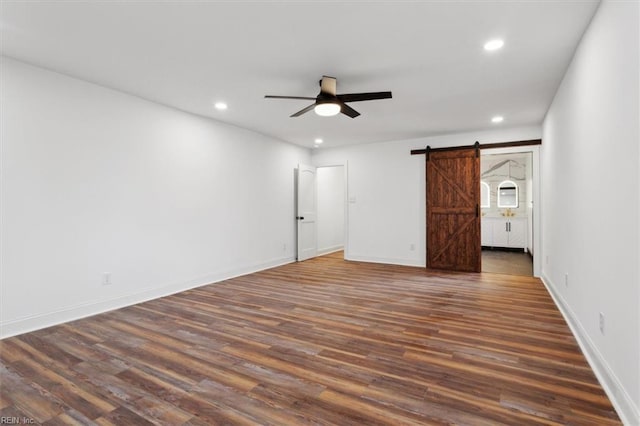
x=507, y=262
x=319, y=342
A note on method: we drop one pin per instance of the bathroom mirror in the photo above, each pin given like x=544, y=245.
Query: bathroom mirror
x=508, y=194
x=485, y=194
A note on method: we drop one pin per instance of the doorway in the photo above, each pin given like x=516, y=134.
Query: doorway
x=331, y=202
x=508, y=219
x=532, y=227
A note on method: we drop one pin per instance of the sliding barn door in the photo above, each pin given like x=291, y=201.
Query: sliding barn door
x=453, y=222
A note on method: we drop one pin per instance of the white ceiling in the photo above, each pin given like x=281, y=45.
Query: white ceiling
x=190, y=54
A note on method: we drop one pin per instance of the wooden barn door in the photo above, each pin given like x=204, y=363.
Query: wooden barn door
x=453, y=210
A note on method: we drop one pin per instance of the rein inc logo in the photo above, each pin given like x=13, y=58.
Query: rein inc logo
x=5, y=420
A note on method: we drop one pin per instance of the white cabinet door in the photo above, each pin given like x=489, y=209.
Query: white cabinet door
x=518, y=232
x=500, y=232
x=504, y=232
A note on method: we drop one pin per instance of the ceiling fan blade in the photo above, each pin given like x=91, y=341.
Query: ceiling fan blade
x=357, y=97
x=347, y=110
x=304, y=110
x=289, y=97
x=328, y=85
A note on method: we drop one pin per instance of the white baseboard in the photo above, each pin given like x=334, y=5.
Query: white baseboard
x=627, y=410
x=328, y=250
x=72, y=313
x=389, y=260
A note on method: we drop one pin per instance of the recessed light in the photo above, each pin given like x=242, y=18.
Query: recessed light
x=497, y=119
x=318, y=141
x=221, y=106
x=493, y=44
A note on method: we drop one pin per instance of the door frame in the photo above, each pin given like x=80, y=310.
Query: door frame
x=536, y=187
x=344, y=165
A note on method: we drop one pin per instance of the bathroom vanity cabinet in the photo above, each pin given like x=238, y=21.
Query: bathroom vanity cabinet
x=508, y=232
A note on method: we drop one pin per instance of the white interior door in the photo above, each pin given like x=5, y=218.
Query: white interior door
x=306, y=212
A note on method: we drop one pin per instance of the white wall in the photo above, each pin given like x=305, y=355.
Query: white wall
x=386, y=192
x=330, y=219
x=94, y=181
x=590, y=201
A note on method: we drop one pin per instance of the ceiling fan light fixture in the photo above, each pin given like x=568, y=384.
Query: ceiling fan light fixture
x=327, y=109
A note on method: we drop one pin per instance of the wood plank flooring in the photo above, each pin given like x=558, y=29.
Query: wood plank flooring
x=319, y=342
x=507, y=262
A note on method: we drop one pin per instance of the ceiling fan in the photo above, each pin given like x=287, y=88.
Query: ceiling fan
x=328, y=103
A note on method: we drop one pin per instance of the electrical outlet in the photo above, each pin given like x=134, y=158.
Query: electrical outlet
x=601, y=323
x=284, y=247
x=566, y=279
x=106, y=278
x=412, y=247
x=546, y=260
